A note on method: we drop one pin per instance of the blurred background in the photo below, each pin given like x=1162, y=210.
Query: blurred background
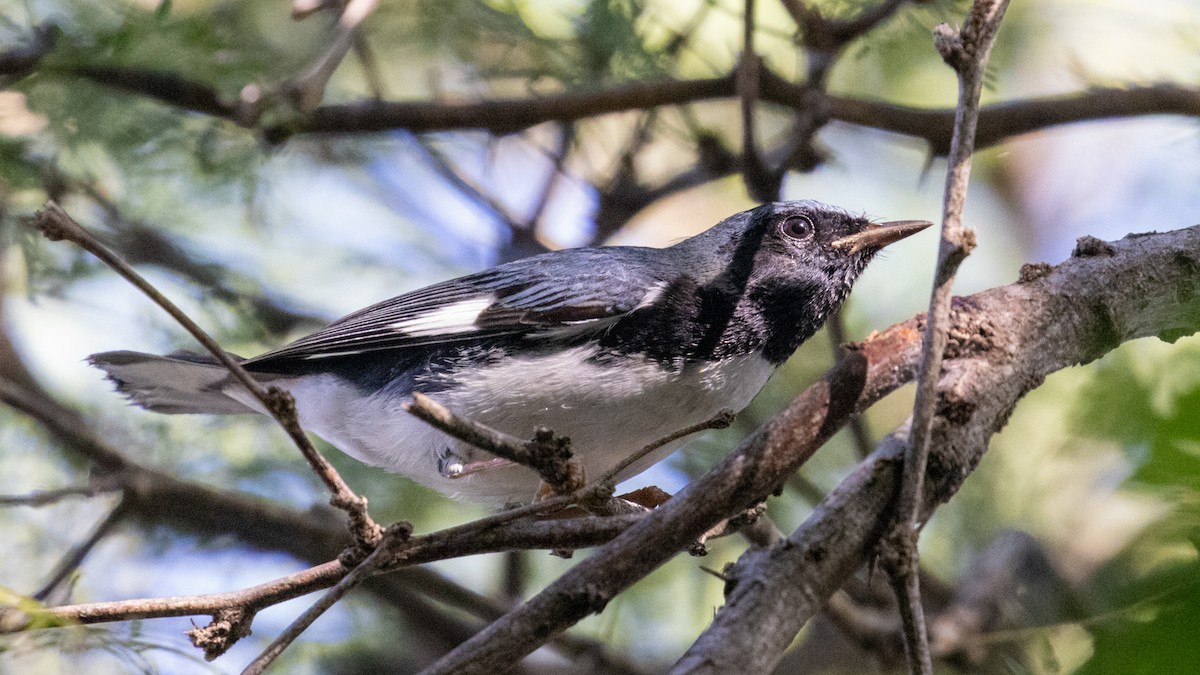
x=263, y=237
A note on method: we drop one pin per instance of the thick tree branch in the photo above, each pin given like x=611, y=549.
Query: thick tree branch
x=1004, y=342
x=997, y=122
x=1080, y=300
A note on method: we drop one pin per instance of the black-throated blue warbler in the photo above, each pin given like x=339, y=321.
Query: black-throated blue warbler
x=614, y=347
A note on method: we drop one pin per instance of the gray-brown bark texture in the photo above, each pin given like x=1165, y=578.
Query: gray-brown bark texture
x=1003, y=343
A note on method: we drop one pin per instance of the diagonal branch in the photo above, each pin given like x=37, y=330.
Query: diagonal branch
x=1006, y=340
x=393, y=537
x=56, y=225
x=75, y=557
x=308, y=89
x=1075, y=314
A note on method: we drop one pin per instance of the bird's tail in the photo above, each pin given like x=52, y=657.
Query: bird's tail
x=180, y=382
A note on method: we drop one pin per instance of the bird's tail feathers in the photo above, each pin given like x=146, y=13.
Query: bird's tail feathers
x=180, y=382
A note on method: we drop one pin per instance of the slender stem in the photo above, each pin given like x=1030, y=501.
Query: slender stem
x=74, y=559
x=392, y=537
x=44, y=497
x=966, y=51
x=56, y=225
x=309, y=88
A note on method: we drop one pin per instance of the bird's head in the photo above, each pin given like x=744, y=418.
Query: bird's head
x=800, y=239
x=788, y=265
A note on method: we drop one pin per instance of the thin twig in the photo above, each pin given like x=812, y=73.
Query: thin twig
x=721, y=420
x=563, y=474
x=74, y=558
x=308, y=89
x=394, y=536
x=566, y=136
x=547, y=454
x=56, y=225
x=759, y=180
x=370, y=67
x=44, y=497
x=966, y=51
x=139, y=242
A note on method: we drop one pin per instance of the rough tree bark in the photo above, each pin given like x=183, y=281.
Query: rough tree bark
x=1003, y=343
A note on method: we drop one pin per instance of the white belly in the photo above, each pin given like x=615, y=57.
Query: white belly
x=608, y=413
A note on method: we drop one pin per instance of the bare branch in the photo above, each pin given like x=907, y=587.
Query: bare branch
x=74, y=558
x=1064, y=318
x=755, y=175
x=393, y=537
x=139, y=242
x=44, y=497
x=997, y=122
x=966, y=51
x=547, y=454
x=56, y=225
x=169, y=88
x=254, y=598
x=836, y=327
x=1006, y=340
x=465, y=540
x=308, y=89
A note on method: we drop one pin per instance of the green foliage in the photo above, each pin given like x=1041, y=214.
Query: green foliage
x=1156, y=633
x=36, y=613
x=1149, y=401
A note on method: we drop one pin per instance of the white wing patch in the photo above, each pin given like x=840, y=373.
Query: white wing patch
x=653, y=294
x=455, y=318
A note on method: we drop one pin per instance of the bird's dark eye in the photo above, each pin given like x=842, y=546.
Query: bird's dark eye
x=797, y=227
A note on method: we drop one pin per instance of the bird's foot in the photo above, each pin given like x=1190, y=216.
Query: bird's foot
x=452, y=466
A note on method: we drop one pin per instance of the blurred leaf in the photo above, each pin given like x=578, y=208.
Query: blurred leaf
x=1117, y=403
x=1150, y=402
x=163, y=9
x=611, y=42
x=1174, y=459
x=1157, y=635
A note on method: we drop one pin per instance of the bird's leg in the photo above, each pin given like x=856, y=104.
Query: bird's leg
x=450, y=465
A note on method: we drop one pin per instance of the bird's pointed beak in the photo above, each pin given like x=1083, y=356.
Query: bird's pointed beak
x=878, y=235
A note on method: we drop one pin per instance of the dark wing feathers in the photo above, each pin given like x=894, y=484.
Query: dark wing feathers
x=559, y=290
